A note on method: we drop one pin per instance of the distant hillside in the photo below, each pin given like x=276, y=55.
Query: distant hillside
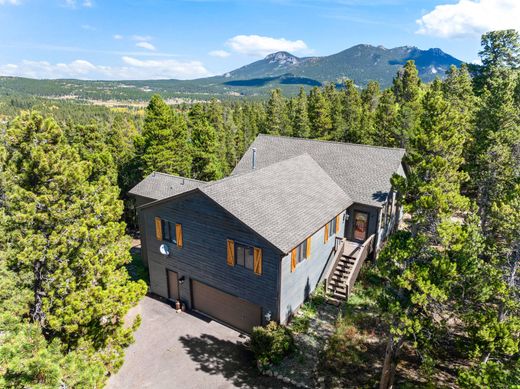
x=360, y=63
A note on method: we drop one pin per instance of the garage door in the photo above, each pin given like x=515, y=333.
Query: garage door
x=232, y=310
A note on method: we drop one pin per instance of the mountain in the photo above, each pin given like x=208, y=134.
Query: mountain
x=360, y=63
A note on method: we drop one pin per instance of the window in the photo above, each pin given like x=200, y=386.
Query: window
x=168, y=231
x=301, y=252
x=244, y=256
x=332, y=227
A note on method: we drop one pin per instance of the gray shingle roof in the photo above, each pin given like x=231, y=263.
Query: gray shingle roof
x=363, y=172
x=285, y=202
x=159, y=186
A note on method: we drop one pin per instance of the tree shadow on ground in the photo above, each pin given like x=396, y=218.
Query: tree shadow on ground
x=231, y=360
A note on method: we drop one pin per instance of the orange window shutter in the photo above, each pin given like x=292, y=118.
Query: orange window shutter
x=326, y=237
x=293, y=260
x=158, y=228
x=178, y=234
x=230, y=252
x=257, y=265
x=308, y=243
x=337, y=224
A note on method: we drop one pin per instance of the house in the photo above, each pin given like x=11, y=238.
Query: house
x=251, y=247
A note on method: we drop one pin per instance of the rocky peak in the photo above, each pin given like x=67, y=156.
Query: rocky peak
x=282, y=58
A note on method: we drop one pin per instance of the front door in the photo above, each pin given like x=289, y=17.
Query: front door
x=360, y=226
x=173, y=285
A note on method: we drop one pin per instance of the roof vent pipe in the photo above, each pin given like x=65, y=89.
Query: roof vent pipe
x=253, y=162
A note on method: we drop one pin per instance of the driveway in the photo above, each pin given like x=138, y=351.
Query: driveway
x=184, y=350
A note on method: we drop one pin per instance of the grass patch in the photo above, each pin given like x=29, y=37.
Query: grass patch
x=301, y=321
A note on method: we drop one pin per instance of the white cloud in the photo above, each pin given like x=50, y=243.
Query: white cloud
x=260, y=46
x=11, y=2
x=141, y=38
x=88, y=27
x=117, y=37
x=75, y=3
x=168, y=68
x=145, y=45
x=131, y=68
x=470, y=17
x=219, y=53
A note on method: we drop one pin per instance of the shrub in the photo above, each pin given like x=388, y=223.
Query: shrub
x=270, y=344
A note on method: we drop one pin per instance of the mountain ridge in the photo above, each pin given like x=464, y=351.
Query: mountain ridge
x=361, y=63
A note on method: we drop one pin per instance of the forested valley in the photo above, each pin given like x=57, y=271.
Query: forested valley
x=449, y=279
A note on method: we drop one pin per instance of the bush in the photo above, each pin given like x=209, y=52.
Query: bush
x=270, y=344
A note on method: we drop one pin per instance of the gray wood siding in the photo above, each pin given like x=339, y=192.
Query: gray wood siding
x=297, y=285
x=206, y=228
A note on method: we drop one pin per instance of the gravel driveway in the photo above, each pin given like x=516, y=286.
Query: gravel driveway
x=183, y=350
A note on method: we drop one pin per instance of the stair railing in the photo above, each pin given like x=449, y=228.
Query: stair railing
x=339, y=247
x=366, y=248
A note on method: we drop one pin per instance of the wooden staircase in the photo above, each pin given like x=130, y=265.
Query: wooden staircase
x=346, y=264
x=337, y=287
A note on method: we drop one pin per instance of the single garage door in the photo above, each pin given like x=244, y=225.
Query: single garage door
x=235, y=311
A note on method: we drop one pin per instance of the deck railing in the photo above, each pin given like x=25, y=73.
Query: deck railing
x=339, y=248
x=366, y=248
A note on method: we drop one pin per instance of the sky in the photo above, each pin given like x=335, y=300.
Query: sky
x=185, y=39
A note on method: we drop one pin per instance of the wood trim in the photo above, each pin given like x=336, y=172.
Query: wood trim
x=158, y=228
x=308, y=243
x=230, y=252
x=337, y=224
x=326, y=236
x=257, y=261
x=178, y=234
x=293, y=260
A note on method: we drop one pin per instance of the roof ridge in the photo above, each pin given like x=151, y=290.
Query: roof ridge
x=256, y=170
x=176, y=176
x=330, y=141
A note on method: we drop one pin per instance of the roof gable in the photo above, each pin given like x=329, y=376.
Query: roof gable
x=363, y=172
x=285, y=202
x=159, y=186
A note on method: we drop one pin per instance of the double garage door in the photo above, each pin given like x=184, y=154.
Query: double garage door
x=232, y=310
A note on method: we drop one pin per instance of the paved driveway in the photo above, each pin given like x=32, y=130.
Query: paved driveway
x=181, y=350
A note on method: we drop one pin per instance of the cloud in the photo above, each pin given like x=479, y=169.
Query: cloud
x=470, y=18
x=219, y=53
x=76, y=4
x=260, y=46
x=10, y=2
x=131, y=68
x=141, y=38
x=117, y=37
x=88, y=27
x=168, y=68
x=145, y=45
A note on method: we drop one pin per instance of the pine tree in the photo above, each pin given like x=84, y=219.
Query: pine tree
x=416, y=264
x=300, y=122
x=206, y=162
x=65, y=245
x=352, y=113
x=386, y=121
x=458, y=90
x=277, y=120
x=496, y=174
x=319, y=114
x=369, y=103
x=336, y=112
x=407, y=92
x=165, y=145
